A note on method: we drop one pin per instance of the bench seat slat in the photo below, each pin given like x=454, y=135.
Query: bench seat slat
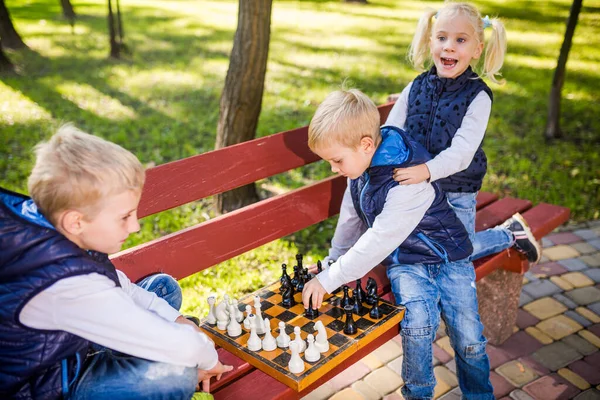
x=180, y=182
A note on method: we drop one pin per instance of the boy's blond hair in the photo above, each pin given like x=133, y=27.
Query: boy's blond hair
x=76, y=170
x=344, y=118
x=419, y=53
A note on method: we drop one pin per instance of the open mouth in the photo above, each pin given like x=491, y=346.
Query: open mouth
x=449, y=62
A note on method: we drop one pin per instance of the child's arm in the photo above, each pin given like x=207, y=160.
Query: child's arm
x=404, y=208
x=459, y=155
x=147, y=300
x=92, y=307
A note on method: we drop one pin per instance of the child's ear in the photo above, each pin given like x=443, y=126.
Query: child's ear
x=478, y=51
x=71, y=221
x=367, y=145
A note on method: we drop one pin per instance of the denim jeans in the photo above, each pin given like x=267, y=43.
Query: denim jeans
x=428, y=292
x=112, y=375
x=487, y=242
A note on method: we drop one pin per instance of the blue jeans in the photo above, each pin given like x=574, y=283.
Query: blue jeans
x=487, y=242
x=428, y=292
x=112, y=375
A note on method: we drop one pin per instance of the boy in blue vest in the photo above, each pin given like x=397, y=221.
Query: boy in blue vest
x=411, y=230
x=71, y=326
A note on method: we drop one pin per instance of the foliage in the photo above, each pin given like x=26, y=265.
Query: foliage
x=162, y=101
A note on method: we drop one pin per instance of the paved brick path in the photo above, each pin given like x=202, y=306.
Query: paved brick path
x=554, y=352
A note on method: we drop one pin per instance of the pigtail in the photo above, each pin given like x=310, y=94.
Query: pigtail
x=418, y=52
x=495, y=51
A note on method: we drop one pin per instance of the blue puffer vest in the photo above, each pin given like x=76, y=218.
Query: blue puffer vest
x=33, y=255
x=436, y=108
x=440, y=236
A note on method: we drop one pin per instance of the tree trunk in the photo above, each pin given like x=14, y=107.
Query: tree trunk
x=5, y=64
x=242, y=95
x=553, y=122
x=10, y=37
x=115, y=48
x=120, y=25
x=68, y=11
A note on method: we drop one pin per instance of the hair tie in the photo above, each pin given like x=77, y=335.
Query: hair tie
x=486, y=22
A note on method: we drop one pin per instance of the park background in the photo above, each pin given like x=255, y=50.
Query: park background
x=161, y=100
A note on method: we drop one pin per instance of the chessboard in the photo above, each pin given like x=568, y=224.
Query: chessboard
x=331, y=314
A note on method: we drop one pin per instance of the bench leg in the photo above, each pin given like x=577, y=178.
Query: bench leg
x=498, y=295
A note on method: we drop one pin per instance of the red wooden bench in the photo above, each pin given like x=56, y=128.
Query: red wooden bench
x=193, y=249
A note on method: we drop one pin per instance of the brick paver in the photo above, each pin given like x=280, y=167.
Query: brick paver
x=584, y=248
x=573, y=264
x=560, y=252
x=551, y=387
x=593, y=274
x=517, y=373
x=580, y=319
x=556, y=355
x=592, y=260
x=580, y=344
x=545, y=307
x=586, y=234
x=548, y=269
x=559, y=326
x=501, y=386
x=575, y=379
x=347, y=394
x=388, y=352
x=590, y=394
x=539, y=335
x=564, y=238
x=567, y=302
x=384, y=379
x=590, y=315
x=584, y=296
x=368, y=392
x=577, y=279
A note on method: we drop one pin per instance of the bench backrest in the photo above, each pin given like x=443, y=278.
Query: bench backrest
x=201, y=246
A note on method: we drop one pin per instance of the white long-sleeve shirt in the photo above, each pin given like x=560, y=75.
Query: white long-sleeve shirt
x=359, y=249
x=465, y=142
x=127, y=319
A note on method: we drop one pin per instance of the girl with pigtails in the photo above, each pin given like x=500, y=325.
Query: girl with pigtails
x=447, y=109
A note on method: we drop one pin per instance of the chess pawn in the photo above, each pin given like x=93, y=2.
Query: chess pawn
x=350, y=325
x=311, y=354
x=296, y=365
x=284, y=278
x=299, y=260
x=346, y=300
x=254, y=343
x=211, y=318
x=358, y=307
x=268, y=343
x=234, y=328
x=296, y=277
x=283, y=340
x=247, y=323
x=375, y=312
x=260, y=326
x=298, y=339
x=321, y=342
x=310, y=312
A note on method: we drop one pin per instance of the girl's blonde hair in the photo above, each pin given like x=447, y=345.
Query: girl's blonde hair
x=76, y=170
x=419, y=53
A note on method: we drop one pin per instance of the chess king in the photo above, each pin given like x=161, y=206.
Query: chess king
x=426, y=255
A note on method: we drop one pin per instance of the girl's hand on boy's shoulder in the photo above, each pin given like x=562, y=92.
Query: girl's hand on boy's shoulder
x=313, y=289
x=412, y=175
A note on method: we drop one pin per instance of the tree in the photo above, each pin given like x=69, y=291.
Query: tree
x=553, y=121
x=115, y=31
x=242, y=95
x=68, y=11
x=5, y=64
x=8, y=33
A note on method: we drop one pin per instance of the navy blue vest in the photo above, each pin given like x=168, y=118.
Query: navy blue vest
x=436, y=108
x=440, y=236
x=33, y=257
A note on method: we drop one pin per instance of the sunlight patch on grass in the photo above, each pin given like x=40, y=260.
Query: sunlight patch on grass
x=15, y=107
x=90, y=99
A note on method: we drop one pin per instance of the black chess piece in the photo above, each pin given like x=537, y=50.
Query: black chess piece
x=346, y=300
x=287, y=295
x=310, y=312
x=301, y=280
x=371, y=291
x=299, y=260
x=358, y=307
x=319, y=267
x=284, y=276
x=307, y=275
x=359, y=292
x=349, y=326
x=375, y=312
x=296, y=277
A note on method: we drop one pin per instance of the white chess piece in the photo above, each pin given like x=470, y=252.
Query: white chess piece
x=211, y=318
x=247, y=323
x=311, y=354
x=321, y=342
x=260, y=328
x=296, y=365
x=239, y=316
x=224, y=303
x=254, y=343
x=268, y=343
x=234, y=328
x=222, y=315
x=283, y=340
x=298, y=339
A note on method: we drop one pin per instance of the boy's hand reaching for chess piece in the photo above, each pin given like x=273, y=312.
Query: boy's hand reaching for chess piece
x=313, y=289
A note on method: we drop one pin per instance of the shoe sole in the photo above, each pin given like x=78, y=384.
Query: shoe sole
x=530, y=236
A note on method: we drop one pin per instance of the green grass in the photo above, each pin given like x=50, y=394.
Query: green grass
x=162, y=100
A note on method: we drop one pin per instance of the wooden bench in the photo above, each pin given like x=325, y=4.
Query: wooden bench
x=193, y=249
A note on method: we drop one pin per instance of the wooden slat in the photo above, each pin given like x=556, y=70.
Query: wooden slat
x=240, y=368
x=499, y=211
x=193, y=178
x=194, y=249
x=485, y=198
